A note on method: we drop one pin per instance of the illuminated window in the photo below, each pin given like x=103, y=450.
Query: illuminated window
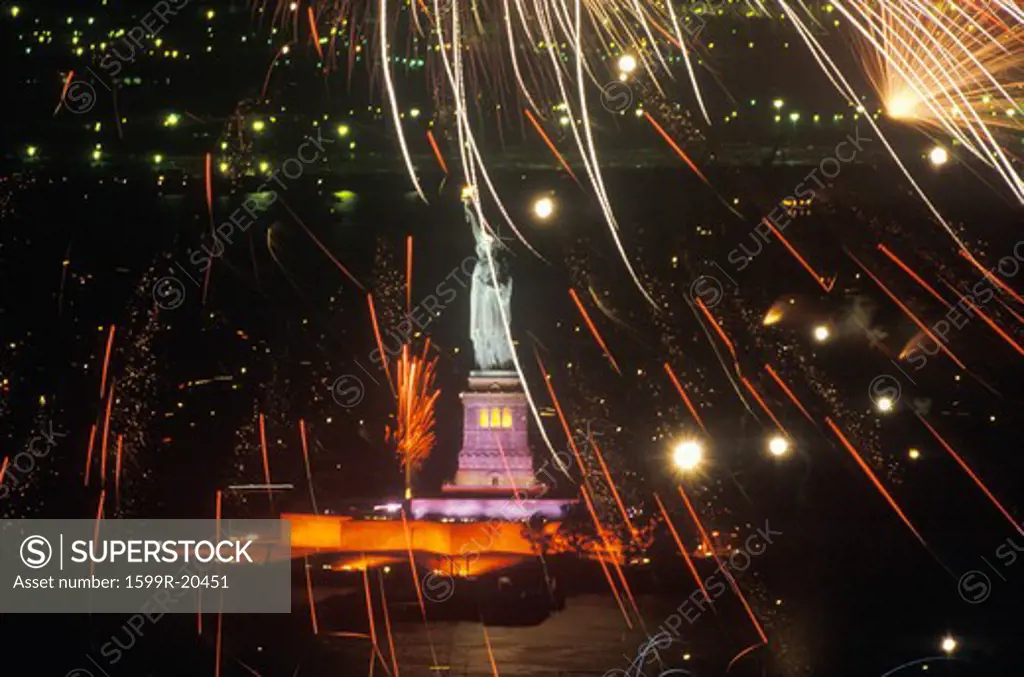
x=495, y=418
x=484, y=420
x=506, y=418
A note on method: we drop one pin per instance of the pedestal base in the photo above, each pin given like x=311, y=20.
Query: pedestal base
x=503, y=508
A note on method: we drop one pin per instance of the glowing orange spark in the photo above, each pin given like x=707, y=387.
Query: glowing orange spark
x=437, y=151
x=387, y=623
x=3, y=469
x=593, y=330
x=679, y=151
x=117, y=471
x=312, y=600
x=408, y=274
x=721, y=567
x=682, y=549
x=992, y=278
x=910, y=314
x=64, y=91
x=369, y=607
x=380, y=342
x=970, y=473
x=785, y=389
x=325, y=250
x=413, y=433
x=718, y=329
x=760, y=400
x=490, y=654
x=209, y=186
x=611, y=485
x=550, y=144
x=88, y=454
x=316, y=35
x=305, y=461
x=419, y=589
x=882, y=248
x=266, y=457
x=874, y=480
x=818, y=277
x=612, y=554
x=987, y=320
x=106, y=360
x=106, y=432
x=686, y=400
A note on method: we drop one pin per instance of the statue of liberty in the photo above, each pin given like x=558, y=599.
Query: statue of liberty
x=490, y=294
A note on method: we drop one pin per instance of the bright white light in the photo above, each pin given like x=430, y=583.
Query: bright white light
x=948, y=644
x=821, y=333
x=914, y=454
x=687, y=455
x=938, y=156
x=901, y=106
x=885, y=404
x=543, y=207
x=627, y=63
x=778, y=446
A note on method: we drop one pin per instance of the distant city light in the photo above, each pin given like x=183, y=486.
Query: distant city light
x=938, y=156
x=343, y=131
x=543, y=208
x=687, y=455
x=258, y=125
x=172, y=120
x=821, y=333
x=31, y=151
x=885, y=404
x=778, y=446
x=948, y=644
x=158, y=158
x=914, y=454
x=627, y=64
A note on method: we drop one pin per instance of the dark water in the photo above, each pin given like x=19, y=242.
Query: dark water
x=846, y=590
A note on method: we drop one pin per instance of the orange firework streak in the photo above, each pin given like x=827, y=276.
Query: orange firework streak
x=88, y=453
x=586, y=494
x=682, y=549
x=986, y=319
x=380, y=342
x=305, y=461
x=106, y=433
x=910, y=314
x=917, y=278
x=106, y=361
x=313, y=31
x=369, y=607
x=325, y=250
x=209, y=186
x=437, y=151
x=387, y=623
x=992, y=278
x=220, y=627
x=3, y=469
x=721, y=567
x=64, y=91
x=593, y=330
x=611, y=484
x=551, y=146
x=718, y=329
x=764, y=405
x=117, y=471
x=874, y=479
x=266, y=458
x=785, y=389
x=490, y=654
x=686, y=400
x=419, y=590
x=819, y=278
x=408, y=274
x=613, y=556
x=679, y=151
x=970, y=473
x=309, y=595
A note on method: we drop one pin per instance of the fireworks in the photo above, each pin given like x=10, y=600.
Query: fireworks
x=413, y=434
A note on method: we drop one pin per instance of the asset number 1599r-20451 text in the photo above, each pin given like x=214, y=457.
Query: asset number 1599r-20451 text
x=176, y=582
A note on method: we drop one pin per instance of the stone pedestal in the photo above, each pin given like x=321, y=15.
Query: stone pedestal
x=495, y=452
